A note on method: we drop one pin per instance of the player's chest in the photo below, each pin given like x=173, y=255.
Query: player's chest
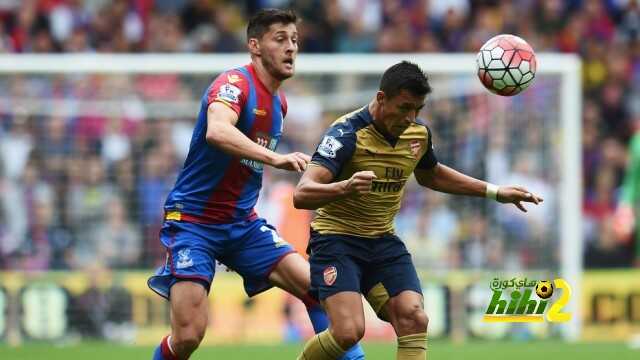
x=262, y=122
x=388, y=162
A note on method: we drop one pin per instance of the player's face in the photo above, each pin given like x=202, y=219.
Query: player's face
x=398, y=112
x=278, y=50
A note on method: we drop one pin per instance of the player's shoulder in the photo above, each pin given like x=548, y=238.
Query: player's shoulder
x=339, y=140
x=230, y=88
x=350, y=123
x=236, y=77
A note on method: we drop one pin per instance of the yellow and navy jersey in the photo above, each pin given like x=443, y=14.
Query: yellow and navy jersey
x=353, y=144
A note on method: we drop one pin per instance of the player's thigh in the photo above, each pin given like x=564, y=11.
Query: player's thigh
x=389, y=275
x=292, y=274
x=257, y=253
x=189, y=310
x=333, y=269
x=191, y=253
x=346, y=316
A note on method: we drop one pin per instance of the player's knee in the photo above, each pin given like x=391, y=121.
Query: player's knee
x=412, y=320
x=348, y=333
x=187, y=335
x=186, y=339
x=421, y=321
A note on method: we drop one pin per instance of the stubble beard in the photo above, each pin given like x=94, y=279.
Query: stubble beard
x=272, y=69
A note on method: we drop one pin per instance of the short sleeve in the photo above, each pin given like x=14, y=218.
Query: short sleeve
x=428, y=160
x=230, y=88
x=335, y=148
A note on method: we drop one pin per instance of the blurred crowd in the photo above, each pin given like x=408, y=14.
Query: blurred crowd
x=81, y=190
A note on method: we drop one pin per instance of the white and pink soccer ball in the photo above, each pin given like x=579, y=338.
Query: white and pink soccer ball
x=506, y=65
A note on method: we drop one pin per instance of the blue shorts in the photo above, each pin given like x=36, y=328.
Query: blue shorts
x=252, y=248
x=379, y=268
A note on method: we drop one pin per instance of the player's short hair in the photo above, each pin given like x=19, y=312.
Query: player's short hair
x=260, y=22
x=405, y=76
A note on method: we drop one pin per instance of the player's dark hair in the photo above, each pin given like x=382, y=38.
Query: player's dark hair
x=405, y=76
x=260, y=22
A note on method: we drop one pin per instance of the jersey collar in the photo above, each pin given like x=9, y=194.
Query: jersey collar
x=257, y=80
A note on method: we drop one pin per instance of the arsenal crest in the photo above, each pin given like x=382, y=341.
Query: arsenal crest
x=330, y=274
x=414, y=146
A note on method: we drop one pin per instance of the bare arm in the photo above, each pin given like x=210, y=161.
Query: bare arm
x=445, y=179
x=315, y=188
x=222, y=132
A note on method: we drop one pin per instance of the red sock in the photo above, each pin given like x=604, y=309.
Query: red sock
x=167, y=353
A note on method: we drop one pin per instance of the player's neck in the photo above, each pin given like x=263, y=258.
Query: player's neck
x=374, y=110
x=269, y=82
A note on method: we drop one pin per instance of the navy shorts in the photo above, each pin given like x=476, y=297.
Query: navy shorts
x=252, y=248
x=379, y=268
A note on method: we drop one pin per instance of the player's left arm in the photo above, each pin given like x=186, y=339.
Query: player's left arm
x=430, y=173
x=445, y=179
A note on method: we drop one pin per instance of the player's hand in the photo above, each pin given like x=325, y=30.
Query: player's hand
x=516, y=195
x=360, y=182
x=295, y=161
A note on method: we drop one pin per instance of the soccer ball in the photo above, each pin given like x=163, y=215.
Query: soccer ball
x=544, y=289
x=506, y=65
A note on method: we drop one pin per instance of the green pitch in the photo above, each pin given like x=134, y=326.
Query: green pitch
x=437, y=350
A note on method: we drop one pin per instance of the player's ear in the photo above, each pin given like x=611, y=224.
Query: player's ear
x=380, y=96
x=254, y=46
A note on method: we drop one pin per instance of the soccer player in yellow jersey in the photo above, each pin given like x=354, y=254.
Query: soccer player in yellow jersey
x=355, y=181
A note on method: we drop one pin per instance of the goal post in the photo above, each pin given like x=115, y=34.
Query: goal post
x=454, y=78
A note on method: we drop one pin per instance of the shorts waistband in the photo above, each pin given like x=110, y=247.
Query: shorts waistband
x=175, y=215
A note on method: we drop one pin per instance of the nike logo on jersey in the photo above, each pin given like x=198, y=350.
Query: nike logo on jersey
x=369, y=152
x=260, y=112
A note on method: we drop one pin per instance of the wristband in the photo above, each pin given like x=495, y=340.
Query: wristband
x=492, y=191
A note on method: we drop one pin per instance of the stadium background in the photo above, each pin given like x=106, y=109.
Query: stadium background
x=81, y=191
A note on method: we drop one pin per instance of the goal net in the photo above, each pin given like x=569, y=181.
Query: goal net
x=91, y=146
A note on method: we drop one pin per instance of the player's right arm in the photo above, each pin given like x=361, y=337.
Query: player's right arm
x=223, y=133
x=316, y=188
x=226, y=98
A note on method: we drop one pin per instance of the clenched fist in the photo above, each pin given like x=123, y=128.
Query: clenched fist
x=360, y=182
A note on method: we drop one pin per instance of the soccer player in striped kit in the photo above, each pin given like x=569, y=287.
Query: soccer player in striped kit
x=209, y=214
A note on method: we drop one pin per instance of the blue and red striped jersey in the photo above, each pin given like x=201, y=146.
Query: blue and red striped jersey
x=213, y=186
